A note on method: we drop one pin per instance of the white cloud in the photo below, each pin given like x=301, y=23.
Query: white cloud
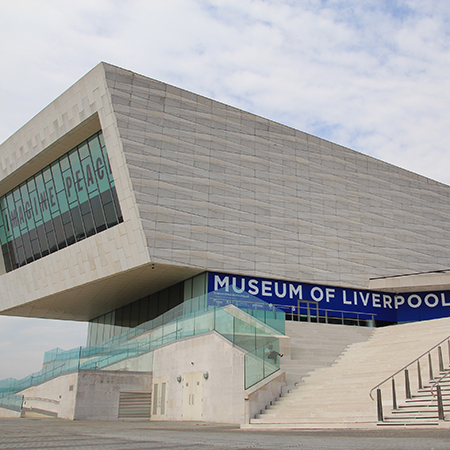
x=369, y=75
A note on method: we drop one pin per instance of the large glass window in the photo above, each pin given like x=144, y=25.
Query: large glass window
x=66, y=202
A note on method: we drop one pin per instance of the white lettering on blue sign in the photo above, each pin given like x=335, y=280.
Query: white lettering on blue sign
x=266, y=288
x=385, y=306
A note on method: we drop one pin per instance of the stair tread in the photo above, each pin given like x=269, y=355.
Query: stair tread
x=370, y=357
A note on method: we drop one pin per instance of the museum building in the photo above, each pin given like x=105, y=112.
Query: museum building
x=130, y=203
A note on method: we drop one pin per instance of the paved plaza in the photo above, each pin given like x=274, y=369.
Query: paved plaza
x=61, y=434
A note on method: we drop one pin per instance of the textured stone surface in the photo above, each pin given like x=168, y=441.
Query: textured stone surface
x=205, y=186
x=222, y=189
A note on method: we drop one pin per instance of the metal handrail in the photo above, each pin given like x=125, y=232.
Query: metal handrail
x=440, y=401
x=405, y=367
x=447, y=373
x=325, y=310
x=312, y=311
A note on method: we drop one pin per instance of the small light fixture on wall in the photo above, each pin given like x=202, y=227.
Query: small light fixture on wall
x=205, y=375
x=179, y=378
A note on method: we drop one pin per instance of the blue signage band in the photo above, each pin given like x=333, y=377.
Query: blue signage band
x=297, y=298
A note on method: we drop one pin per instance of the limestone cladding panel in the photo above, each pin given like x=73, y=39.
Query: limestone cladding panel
x=222, y=189
x=35, y=145
x=98, y=392
x=55, y=396
x=223, y=390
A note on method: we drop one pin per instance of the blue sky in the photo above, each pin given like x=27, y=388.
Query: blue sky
x=371, y=75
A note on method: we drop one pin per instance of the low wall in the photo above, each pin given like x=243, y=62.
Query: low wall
x=262, y=394
x=221, y=392
x=55, y=397
x=216, y=367
x=83, y=395
x=8, y=413
x=99, y=390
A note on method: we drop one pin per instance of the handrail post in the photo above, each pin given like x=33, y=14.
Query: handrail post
x=419, y=375
x=430, y=365
x=441, y=361
x=379, y=406
x=448, y=345
x=407, y=385
x=394, y=395
x=440, y=403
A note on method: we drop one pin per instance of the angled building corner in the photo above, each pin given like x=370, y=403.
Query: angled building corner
x=127, y=201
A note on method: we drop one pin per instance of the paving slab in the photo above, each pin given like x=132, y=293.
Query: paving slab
x=34, y=433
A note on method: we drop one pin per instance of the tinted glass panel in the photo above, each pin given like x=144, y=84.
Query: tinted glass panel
x=67, y=201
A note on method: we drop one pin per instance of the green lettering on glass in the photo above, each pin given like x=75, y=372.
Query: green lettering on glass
x=78, y=176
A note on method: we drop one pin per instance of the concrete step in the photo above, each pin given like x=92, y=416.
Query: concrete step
x=337, y=392
x=406, y=423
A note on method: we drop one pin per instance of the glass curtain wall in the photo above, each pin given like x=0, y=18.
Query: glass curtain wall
x=66, y=202
x=133, y=314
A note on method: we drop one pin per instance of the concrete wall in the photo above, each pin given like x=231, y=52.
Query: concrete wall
x=98, y=392
x=262, y=395
x=143, y=363
x=225, y=190
x=78, y=113
x=54, y=397
x=7, y=413
x=94, y=394
x=84, y=395
x=223, y=399
x=205, y=186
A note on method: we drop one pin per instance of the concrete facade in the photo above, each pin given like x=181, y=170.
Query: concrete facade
x=82, y=395
x=205, y=186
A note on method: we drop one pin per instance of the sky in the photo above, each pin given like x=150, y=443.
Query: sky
x=372, y=75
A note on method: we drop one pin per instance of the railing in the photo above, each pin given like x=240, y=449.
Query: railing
x=265, y=312
x=437, y=385
x=251, y=332
x=427, y=360
x=310, y=311
x=13, y=402
x=261, y=363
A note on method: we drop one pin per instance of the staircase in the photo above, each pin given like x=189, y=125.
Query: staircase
x=421, y=409
x=337, y=396
x=316, y=345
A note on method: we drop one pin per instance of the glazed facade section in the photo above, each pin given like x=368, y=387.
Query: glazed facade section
x=66, y=202
x=148, y=308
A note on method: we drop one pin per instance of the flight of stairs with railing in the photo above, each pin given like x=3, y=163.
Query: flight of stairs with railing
x=337, y=395
x=425, y=404
x=422, y=409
